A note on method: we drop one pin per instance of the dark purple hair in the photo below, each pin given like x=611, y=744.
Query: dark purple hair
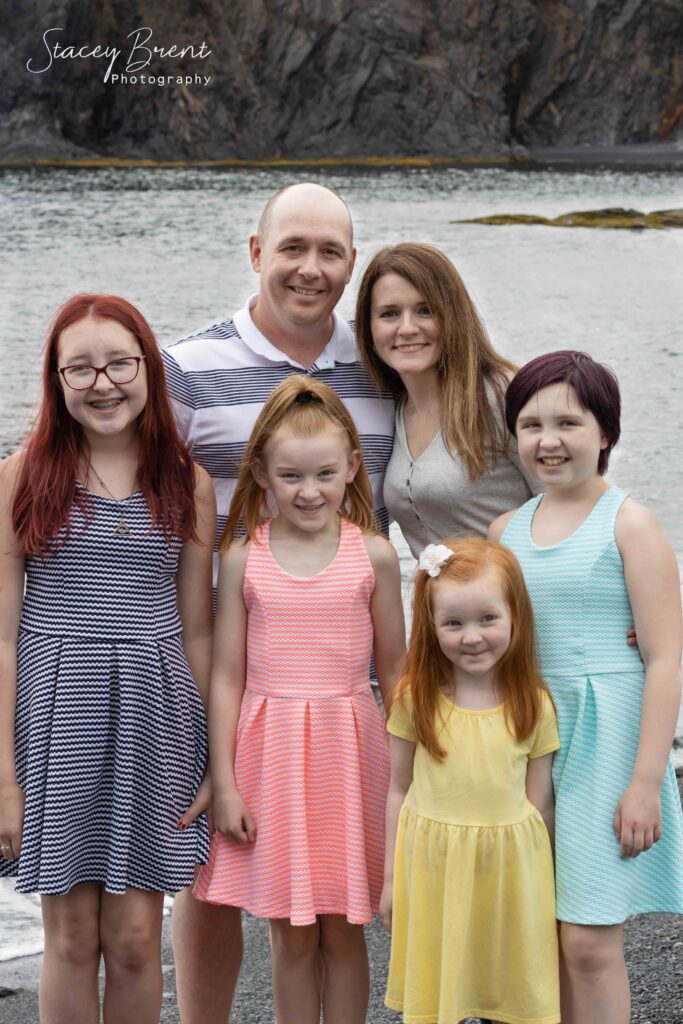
x=596, y=387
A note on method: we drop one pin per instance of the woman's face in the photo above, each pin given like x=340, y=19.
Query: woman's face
x=405, y=333
x=104, y=408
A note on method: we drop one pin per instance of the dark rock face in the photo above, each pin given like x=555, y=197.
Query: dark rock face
x=601, y=72
x=342, y=78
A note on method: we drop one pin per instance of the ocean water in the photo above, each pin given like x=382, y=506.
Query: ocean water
x=174, y=242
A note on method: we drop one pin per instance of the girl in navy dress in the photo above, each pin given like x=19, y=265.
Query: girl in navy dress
x=109, y=525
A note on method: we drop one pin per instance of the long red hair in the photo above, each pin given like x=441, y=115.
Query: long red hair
x=46, y=492
x=427, y=666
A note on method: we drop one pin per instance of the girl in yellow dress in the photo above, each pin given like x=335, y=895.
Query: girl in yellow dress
x=469, y=891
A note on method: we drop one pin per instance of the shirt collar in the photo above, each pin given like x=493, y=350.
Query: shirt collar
x=340, y=348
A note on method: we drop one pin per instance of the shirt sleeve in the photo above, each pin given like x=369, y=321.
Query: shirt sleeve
x=400, y=720
x=181, y=396
x=545, y=738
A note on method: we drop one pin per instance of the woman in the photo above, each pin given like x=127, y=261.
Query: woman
x=453, y=468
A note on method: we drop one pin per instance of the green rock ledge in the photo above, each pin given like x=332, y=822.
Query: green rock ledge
x=615, y=217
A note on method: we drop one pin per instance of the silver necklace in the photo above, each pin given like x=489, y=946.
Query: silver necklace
x=123, y=529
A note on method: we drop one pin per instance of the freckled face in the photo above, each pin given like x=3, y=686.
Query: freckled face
x=104, y=408
x=559, y=441
x=473, y=625
x=405, y=333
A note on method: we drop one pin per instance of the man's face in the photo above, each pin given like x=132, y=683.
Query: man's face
x=305, y=259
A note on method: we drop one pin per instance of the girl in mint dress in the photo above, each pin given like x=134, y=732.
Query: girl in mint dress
x=596, y=563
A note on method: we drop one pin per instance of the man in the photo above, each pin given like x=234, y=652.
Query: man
x=218, y=379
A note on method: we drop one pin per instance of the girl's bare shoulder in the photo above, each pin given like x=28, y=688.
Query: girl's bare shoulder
x=234, y=558
x=10, y=467
x=634, y=519
x=638, y=533
x=381, y=552
x=203, y=483
x=497, y=527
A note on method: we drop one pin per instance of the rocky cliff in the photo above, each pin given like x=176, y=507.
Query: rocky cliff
x=337, y=78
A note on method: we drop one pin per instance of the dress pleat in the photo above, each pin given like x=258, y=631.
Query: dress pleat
x=311, y=759
x=110, y=730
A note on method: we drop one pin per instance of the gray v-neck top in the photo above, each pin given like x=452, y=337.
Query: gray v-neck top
x=432, y=499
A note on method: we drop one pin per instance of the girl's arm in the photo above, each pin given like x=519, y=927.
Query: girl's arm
x=539, y=790
x=228, y=670
x=402, y=756
x=386, y=609
x=193, y=596
x=11, y=600
x=497, y=527
x=653, y=586
x=194, y=584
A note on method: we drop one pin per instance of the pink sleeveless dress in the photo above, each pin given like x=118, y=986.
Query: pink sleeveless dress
x=311, y=760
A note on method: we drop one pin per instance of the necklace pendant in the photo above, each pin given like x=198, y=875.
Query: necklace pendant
x=123, y=529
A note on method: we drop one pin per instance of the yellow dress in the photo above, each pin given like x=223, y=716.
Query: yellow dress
x=473, y=932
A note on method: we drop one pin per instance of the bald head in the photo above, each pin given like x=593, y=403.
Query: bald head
x=300, y=196
x=304, y=256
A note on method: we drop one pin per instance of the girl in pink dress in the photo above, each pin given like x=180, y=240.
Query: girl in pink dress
x=299, y=754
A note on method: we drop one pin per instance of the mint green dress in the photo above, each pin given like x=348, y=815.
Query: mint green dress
x=582, y=613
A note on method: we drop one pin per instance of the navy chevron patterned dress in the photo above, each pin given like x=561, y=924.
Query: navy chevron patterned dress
x=110, y=728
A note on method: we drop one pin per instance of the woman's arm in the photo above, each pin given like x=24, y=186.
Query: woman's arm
x=228, y=670
x=402, y=757
x=11, y=600
x=539, y=790
x=386, y=609
x=653, y=585
x=194, y=585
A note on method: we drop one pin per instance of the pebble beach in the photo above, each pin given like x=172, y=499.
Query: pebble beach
x=654, y=956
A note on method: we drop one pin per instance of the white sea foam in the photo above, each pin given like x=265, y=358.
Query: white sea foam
x=21, y=930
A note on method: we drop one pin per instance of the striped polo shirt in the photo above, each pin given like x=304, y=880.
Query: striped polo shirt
x=220, y=376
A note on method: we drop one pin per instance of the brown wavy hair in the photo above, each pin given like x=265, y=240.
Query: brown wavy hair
x=427, y=667
x=469, y=368
x=46, y=486
x=304, y=416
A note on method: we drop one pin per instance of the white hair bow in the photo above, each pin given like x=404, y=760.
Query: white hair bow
x=433, y=558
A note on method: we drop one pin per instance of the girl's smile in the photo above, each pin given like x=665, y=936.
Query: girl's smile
x=559, y=441
x=308, y=477
x=104, y=408
x=473, y=626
